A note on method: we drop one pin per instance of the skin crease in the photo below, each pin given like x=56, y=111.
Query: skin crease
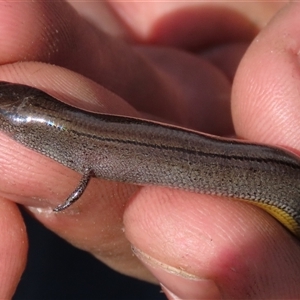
x=240, y=250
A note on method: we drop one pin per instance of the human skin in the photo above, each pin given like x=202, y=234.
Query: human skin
x=196, y=246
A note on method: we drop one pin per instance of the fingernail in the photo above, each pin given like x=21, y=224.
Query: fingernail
x=40, y=210
x=178, y=284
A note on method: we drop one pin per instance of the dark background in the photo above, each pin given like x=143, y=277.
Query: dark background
x=57, y=270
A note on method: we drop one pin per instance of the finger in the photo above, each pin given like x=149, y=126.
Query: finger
x=265, y=96
x=221, y=31
x=13, y=248
x=102, y=17
x=204, y=247
x=194, y=25
x=64, y=38
x=148, y=81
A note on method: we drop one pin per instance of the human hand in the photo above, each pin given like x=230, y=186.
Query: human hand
x=241, y=249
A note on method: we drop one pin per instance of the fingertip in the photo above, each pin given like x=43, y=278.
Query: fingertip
x=265, y=98
x=238, y=248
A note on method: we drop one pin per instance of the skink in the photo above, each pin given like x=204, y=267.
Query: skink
x=147, y=153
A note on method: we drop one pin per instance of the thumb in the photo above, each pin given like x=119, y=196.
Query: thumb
x=207, y=247
x=168, y=237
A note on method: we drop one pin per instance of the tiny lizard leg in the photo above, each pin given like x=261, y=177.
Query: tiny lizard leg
x=77, y=193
